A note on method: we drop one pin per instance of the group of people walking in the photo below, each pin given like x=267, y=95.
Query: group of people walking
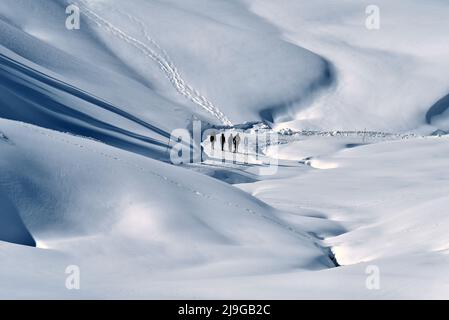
x=233, y=142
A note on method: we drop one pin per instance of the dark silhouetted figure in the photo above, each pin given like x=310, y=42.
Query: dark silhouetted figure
x=212, y=140
x=223, y=141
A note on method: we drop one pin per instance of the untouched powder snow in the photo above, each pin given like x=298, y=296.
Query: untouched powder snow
x=105, y=203
x=386, y=79
x=406, y=214
x=382, y=205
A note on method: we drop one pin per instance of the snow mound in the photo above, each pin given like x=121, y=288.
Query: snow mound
x=97, y=203
x=380, y=74
x=392, y=209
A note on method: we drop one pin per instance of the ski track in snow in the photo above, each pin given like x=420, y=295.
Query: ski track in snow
x=162, y=59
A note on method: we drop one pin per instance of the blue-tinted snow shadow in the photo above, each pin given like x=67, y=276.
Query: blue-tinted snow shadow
x=12, y=228
x=440, y=107
x=283, y=110
x=29, y=95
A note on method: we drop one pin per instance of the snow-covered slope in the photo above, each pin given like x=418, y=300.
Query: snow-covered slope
x=384, y=204
x=85, y=123
x=165, y=68
x=407, y=212
x=95, y=203
x=386, y=79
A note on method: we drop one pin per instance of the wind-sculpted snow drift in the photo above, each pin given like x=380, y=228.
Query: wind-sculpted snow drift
x=101, y=203
x=387, y=79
